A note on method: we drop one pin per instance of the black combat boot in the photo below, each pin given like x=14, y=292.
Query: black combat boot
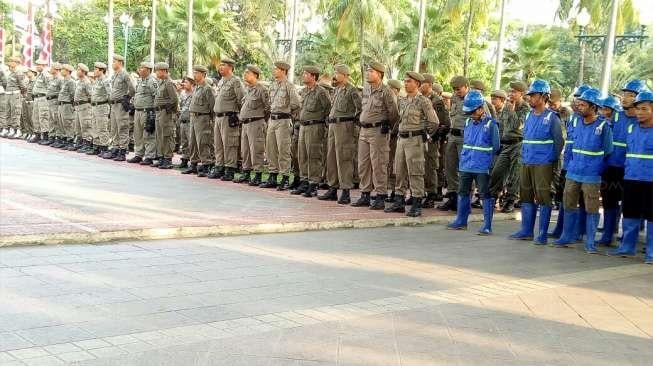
x=257, y=179
x=45, y=140
x=363, y=200
x=73, y=145
x=216, y=173
x=508, y=206
x=345, y=198
x=429, y=201
x=303, y=186
x=228, y=174
x=35, y=138
x=121, y=155
x=284, y=184
x=110, y=154
x=136, y=159
x=451, y=203
x=147, y=161
x=165, y=163
x=438, y=195
x=324, y=185
x=477, y=202
x=183, y=165
x=204, y=172
x=311, y=190
x=391, y=197
x=192, y=169
x=295, y=182
x=244, y=177
x=379, y=202
x=93, y=150
x=271, y=182
x=330, y=195
x=398, y=205
x=416, y=208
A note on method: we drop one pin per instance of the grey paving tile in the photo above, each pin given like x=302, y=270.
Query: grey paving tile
x=54, y=335
x=11, y=341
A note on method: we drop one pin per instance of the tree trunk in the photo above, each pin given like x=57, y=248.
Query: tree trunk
x=361, y=41
x=468, y=34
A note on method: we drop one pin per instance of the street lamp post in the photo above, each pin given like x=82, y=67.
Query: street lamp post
x=127, y=22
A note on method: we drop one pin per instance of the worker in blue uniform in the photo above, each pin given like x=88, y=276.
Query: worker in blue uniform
x=541, y=150
x=480, y=145
x=592, y=138
x=638, y=179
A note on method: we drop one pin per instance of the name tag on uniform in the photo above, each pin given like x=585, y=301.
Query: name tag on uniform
x=598, y=130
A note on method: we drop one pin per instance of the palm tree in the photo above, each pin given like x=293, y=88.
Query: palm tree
x=599, y=16
x=532, y=58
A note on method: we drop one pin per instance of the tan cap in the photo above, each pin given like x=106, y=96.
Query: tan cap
x=458, y=81
x=478, y=85
x=56, y=66
x=556, y=95
x=325, y=84
x=68, y=67
x=342, y=69
x=428, y=78
x=161, y=66
x=200, y=68
x=100, y=65
x=228, y=61
x=447, y=95
x=499, y=94
x=415, y=76
x=518, y=86
x=377, y=66
x=82, y=66
x=311, y=69
x=147, y=65
x=282, y=65
x=117, y=57
x=395, y=84
x=41, y=62
x=437, y=88
x=189, y=78
x=14, y=59
x=253, y=68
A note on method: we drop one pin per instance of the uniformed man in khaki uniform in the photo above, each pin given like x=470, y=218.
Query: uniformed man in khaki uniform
x=100, y=104
x=66, y=109
x=201, y=111
x=395, y=87
x=16, y=85
x=417, y=124
x=378, y=117
x=54, y=137
x=253, y=113
x=226, y=130
x=431, y=155
x=26, y=123
x=345, y=109
x=122, y=90
x=166, y=104
x=83, y=110
x=40, y=109
x=144, y=115
x=316, y=106
x=441, y=137
x=284, y=101
x=185, y=97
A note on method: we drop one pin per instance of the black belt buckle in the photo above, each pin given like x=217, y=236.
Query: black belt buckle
x=276, y=116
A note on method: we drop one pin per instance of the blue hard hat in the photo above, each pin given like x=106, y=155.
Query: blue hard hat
x=473, y=100
x=591, y=95
x=611, y=102
x=539, y=86
x=644, y=96
x=635, y=86
x=580, y=90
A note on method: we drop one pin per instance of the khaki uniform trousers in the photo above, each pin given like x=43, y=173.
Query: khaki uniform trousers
x=373, y=156
x=252, y=145
x=101, y=120
x=119, y=122
x=41, y=115
x=84, y=121
x=226, y=141
x=203, y=131
x=392, y=178
x=4, y=110
x=164, y=134
x=294, y=150
x=430, y=166
x=67, y=115
x=26, y=121
x=310, y=147
x=442, y=179
x=184, y=139
x=144, y=142
x=409, y=166
x=55, y=118
x=277, y=145
x=13, y=110
x=340, y=155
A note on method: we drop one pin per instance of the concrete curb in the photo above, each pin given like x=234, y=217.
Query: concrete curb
x=227, y=230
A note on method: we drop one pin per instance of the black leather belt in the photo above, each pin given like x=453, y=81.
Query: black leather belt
x=62, y=103
x=118, y=101
x=144, y=109
x=161, y=108
x=249, y=120
x=199, y=114
x=39, y=95
x=276, y=116
x=409, y=134
x=99, y=103
x=311, y=122
x=51, y=97
x=81, y=103
x=371, y=125
x=341, y=119
x=457, y=132
x=225, y=114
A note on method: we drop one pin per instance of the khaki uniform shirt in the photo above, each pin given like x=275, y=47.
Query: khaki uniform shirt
x=16, y=81
x=54, y=86
x=145, y=92
x=203, y=99
x=121, y=85
x=379, y=104
x=229, y=95
x=67, y=92
x=316, y=104
x=101, y=90
x=417, y=114
x=283, y=97
x=83, y=90
x=346, y=102
x=256, y=102
x=166, y=94
x=440, y=110
x=40, y=84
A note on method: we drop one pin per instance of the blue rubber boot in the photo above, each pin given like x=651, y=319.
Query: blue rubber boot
x=464, y=208
x=610, y=219
x=488, y=212
x=591, y=225
x=629, y=241
x=581, y=223
x=528, y=212
x=568, y=230
x=649, y=242
x=545, y=220
x=557, y=230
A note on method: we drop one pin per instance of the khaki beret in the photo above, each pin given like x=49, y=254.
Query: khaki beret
x=395, y=84
x=228, y=61
x=200, y=68
x=253, y=68
x=556, y=95
x=428, y=78
x=447, y=95
x=117, y=57
x=282, y=65
x=437, y=88
x=56, y=66
x=478, y=85
x=499, y=94
x=68, y=67
x=82, y=66
x=189, y=78
x=415, y=76
x=518, y=86
x=41, y=62
x=161, y=66
x=342, y=69
x=14, y=59
x=377, y=66
x=147, y=65
x=100, y=65
x=311, y=69
x=325, y=84
x=458, y=81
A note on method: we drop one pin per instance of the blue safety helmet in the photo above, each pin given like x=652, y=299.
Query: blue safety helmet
x=636, y=86
x=644, y=96
x=473, y=100
x=611, y=102
x=539, y=86
x=592, y=96
x=580, y=90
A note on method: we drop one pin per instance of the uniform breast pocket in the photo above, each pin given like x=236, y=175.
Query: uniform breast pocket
x=377, y=104
x=311, y=105
x=255, y=102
